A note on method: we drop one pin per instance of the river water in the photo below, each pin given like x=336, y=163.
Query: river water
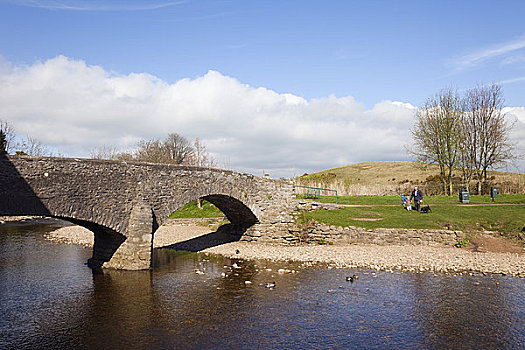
x=49, y=299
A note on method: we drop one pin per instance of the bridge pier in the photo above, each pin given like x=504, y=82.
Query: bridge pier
x=135, y=251
x=106, y=244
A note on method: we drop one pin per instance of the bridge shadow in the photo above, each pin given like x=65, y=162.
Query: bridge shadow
x=17, y=198
x=225, y=234
x=16, y=195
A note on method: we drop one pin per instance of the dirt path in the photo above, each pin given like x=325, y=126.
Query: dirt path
x=486, y=242
x=425, y=203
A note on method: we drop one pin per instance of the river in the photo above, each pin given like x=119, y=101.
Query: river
x=49, y=299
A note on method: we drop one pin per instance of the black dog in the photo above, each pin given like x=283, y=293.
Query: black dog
x=426, y=209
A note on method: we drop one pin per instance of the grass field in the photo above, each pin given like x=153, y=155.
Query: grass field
x=507, y=218
x=191, y=210
x=394, y=200
x=447, y=212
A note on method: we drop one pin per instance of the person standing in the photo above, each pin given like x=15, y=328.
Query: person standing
x=418, y=197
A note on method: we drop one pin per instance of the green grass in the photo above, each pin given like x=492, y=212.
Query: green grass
x=396, y=200
x=191, y=210
x=508, y=219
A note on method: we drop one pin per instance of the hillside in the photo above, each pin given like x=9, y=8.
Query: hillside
x=388, y=177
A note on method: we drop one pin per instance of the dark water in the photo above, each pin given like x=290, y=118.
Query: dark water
x=50, y=300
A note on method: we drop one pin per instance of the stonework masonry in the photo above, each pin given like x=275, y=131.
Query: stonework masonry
x=321, y=233
x=314, y=232
x=123, y=203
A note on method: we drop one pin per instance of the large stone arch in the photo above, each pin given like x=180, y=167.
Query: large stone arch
x=235, y=210
x=123, y=203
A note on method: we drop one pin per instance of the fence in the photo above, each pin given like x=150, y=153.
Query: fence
x=309, y=192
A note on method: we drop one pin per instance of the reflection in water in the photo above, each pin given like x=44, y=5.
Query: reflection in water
x=44, y=288
x=468, y=310
x=49, y=299
x=123, y=311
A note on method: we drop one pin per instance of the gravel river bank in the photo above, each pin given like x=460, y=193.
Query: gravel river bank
x=184, y=236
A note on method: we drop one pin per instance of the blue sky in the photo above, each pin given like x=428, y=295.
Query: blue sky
x=366, y=51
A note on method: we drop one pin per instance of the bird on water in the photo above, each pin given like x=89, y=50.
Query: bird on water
x=352, y=278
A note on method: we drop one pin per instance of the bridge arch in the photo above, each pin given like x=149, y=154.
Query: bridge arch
x=106, y=241
x=235, y=210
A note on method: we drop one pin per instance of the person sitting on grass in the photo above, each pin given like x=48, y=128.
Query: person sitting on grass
x=405, y=203
x=418, y=198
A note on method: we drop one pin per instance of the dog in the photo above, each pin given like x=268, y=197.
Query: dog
x=426, y=209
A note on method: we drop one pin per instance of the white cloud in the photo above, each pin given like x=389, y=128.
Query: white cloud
x=515, y=59
x=98, y=5
x=74, y=107
x=517, y=115
x=511, y=81
x=480, y=56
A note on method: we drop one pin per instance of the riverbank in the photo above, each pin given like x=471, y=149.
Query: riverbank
x=185, y=236
x=5, y=219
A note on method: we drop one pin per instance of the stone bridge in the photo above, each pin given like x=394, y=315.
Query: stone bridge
x=123, y=203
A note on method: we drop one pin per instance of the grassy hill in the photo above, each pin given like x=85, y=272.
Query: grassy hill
x=388, y=177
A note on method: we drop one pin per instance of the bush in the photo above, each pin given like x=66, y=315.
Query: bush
x=462, y=243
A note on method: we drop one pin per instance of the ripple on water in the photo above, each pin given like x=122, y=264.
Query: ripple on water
x=48, y=298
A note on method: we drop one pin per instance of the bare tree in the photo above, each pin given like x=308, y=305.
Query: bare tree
x=200, y=156
x=486, y=130
x=436, y=134
x=466, y=160
x=175, y=149
x=105, y=152
x=150, y=151
x=33, y=147
x=7, y=137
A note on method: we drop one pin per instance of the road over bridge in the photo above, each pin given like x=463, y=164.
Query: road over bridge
x=123, y=203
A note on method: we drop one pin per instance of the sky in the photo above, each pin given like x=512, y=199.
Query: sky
x=284, y=87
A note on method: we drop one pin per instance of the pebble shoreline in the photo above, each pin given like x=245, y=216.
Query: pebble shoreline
x=386, y=258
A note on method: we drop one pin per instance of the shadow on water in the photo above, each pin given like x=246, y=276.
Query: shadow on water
x=225, y=234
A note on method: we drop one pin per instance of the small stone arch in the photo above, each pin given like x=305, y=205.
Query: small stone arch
x=106, y=242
